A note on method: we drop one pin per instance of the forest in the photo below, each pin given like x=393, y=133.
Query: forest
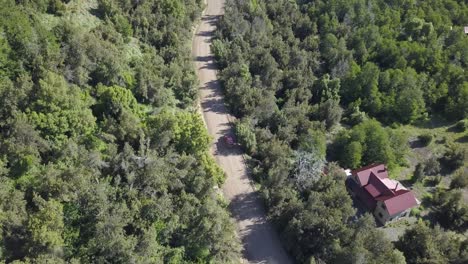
x=317, y=86
x=103, y=157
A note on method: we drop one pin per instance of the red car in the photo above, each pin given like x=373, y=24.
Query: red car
x=228, y=139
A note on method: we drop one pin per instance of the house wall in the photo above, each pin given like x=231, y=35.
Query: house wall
x=381, y=214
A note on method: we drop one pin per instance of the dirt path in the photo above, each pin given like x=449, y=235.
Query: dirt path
x=260, y=241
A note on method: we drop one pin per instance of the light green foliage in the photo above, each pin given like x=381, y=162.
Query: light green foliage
x=352, y=155
x=314, y=141
x=185, y=130
x=46, y=225
x=114, y=100
x=369, y=143
x=246, y=136
x=60, y=110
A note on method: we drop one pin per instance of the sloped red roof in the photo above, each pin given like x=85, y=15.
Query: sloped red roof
x=376, y=186
x=363, y=174
x=402, y=201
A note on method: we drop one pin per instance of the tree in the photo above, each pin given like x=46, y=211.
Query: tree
x=330, y=112
x=450, y=210
x=246, y=135
x=368, y=244
x=453, y=157
x=60, y=111
x=46, y=226
x=459, y=179
x=185, y=129
x=352, y=155
x=308, y=169
x=422, y=244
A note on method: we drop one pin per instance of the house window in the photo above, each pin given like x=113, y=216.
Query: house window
x=380, y=215
x=383, y=206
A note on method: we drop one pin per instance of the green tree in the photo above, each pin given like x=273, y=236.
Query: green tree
x=60, y=110
x=46, y=225
x=422, y=244
x=352, y=155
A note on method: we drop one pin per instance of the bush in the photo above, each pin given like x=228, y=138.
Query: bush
x=436, y=180
x=462, y=125
x=453, y=157
x=432, y=166
x=418, y=174
x=425, y=139
x=416, y=212
x=246, y=136
x=459, y=180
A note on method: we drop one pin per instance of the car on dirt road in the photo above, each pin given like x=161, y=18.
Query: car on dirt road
x=229, y=140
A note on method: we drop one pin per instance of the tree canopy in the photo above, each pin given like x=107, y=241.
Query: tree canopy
x=102, y=157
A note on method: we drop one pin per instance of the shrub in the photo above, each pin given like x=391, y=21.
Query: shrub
x=432, y=166
x=453, y=157
x=418, y=174
x=246, y=136
x=459, y=180
x=425, y=139
x=462, y=125
x=436, y=179
x=416, y=212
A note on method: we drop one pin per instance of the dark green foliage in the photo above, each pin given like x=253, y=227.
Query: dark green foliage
x=425, y=139
x=100, y=159
x=454, y=157
x=462, y=125
x=450, y=210
x=418, y=175
x=459, y=179
x=422, y=244
x=432, y=166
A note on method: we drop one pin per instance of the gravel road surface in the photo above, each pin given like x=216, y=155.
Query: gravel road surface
x=260, y=241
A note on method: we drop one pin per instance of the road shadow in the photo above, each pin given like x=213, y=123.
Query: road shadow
x=207, y=62
x=259, y=236
x=203, y=58
x=212, y=20
x=244, y=207
x=215, y=102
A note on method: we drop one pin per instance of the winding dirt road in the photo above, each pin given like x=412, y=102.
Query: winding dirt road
x=260, y=241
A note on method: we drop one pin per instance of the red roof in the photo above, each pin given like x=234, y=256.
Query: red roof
x=364, y=173
x=376, y=186
x=402, y=201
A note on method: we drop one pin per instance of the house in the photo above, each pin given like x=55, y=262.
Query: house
x=466, y=30
x=387, y=199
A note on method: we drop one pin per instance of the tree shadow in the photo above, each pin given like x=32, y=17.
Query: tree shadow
x=416, y=143
x=211, y=19
x=205, y=34
x=260, y=240
x=463, y=139
x=204, y=58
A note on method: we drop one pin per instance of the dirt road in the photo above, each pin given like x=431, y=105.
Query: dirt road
x=260, y=241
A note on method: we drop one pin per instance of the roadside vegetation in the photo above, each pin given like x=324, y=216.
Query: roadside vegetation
x=103, y=158
x=353, y=82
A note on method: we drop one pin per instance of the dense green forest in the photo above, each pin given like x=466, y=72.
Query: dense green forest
x=314, y=81
x=103, y=158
